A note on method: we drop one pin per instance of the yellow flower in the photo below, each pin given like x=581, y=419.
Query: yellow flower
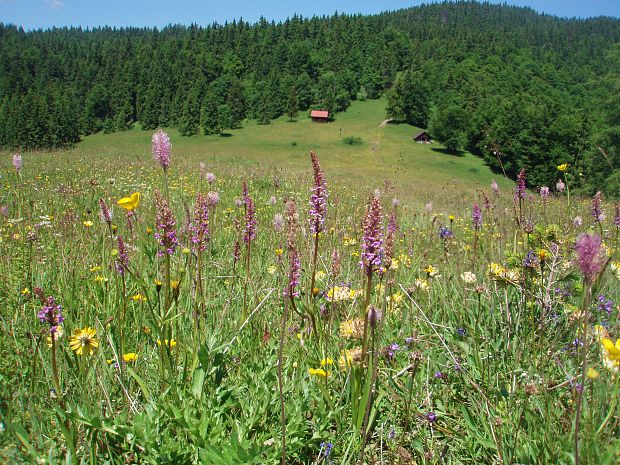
x=611, y=354
x=320, y=274
x=130, y=357
x=542, y=254
x=451, y=217
x=130, y=203
x=95, y=269
x=88, y=223
x=279, y=252
x=327, y=361
x=592, y=373
x=170, y=343
x=101, y=279
x=352, y=329
x=138, y=298
x=563, y=167
x=350, y=357
x=84, y=341
x=174, y=284
x=25, y=291
x=149, y=230
x=431, y=271
x=272, y=269
x=185, y=251
x=318, y=372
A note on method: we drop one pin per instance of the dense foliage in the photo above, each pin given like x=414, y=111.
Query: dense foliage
x=536, y=89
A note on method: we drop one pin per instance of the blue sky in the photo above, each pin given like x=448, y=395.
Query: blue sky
x=33, y=14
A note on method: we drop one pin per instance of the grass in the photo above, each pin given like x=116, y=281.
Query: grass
x=484, y=345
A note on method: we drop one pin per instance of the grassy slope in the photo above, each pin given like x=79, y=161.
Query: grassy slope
x=386, y=153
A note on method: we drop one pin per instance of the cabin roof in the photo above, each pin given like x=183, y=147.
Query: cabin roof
x=319, y=114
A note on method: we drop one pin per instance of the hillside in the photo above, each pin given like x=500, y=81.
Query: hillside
x=536, y=89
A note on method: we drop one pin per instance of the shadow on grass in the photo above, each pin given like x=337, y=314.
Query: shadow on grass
x=225, y=134
x=454, y=153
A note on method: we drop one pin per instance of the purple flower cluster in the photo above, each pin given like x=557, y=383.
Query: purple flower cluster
x=213, y=198
x=166, y=231
x=544, y=193
x=617, y=216
x=372, y=243
x=476, y=217
x=160, y=145
x=200, y=226
x=51, y=315
x=605, y=305
x=597, y=210
x=210, y=177
x=495, y=187
x=531, y=260
x=17, y=162
x=250, y=221
x=104, y=212
x=318, y=199
x=520, y=188
x=590, y=256
x=445, y=233
x=560, y=186
x=294, y=275
x=122, y=259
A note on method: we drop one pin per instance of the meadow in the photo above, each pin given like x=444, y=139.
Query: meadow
x=239, y=300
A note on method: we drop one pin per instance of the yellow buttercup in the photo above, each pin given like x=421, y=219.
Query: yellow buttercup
x=130, y=203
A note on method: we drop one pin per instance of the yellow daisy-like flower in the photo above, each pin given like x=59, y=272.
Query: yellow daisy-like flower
x=318, y=372
x=84, y=341
x=563, y=167
x=25, y=291
x=542, y=254
x=138, y=298
x=130, y=203
x=451, y=217
x=611, y=354
x=279, y=252
x=130, y=357
x=88, y=223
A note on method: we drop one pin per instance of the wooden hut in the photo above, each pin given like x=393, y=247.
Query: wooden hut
x=319, y=116
x=422, y=137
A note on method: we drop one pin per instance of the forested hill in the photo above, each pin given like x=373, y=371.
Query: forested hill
x=505, y=82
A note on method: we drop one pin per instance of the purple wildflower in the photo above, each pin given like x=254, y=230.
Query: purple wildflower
x=390, y=351
x=560, y=186
x=544, y=193
x=160, y=144
x=51, y=315
x=104, y=212
x=374, y=315
x=166, y=232
x=577, y=221
x=236, y=254
x=605, y=305
x=372, y=242
x=590, y=255
x=389, y=238
x=250, y=221
x=200, y=226
x=336, y=263
x=445, y=233
x=210, y=177
x=431, y=417
x=327, y=449
x=495, y=187
x=531, y=260
x=440, y=375
x=213, y=198
x=520, y=188
x=617, y=216
x=318, y=199
x=294, y=275
x=17, y=162
x=476, y=217
x=597, y=211
x=278, y=222
x=122, y=259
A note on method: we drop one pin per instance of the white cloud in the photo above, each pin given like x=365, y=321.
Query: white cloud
x=55, y=4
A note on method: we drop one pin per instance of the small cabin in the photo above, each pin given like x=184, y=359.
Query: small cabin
x=319, y=116
x=422, y=137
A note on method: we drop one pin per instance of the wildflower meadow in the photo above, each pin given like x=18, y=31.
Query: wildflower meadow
x=162, y=312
